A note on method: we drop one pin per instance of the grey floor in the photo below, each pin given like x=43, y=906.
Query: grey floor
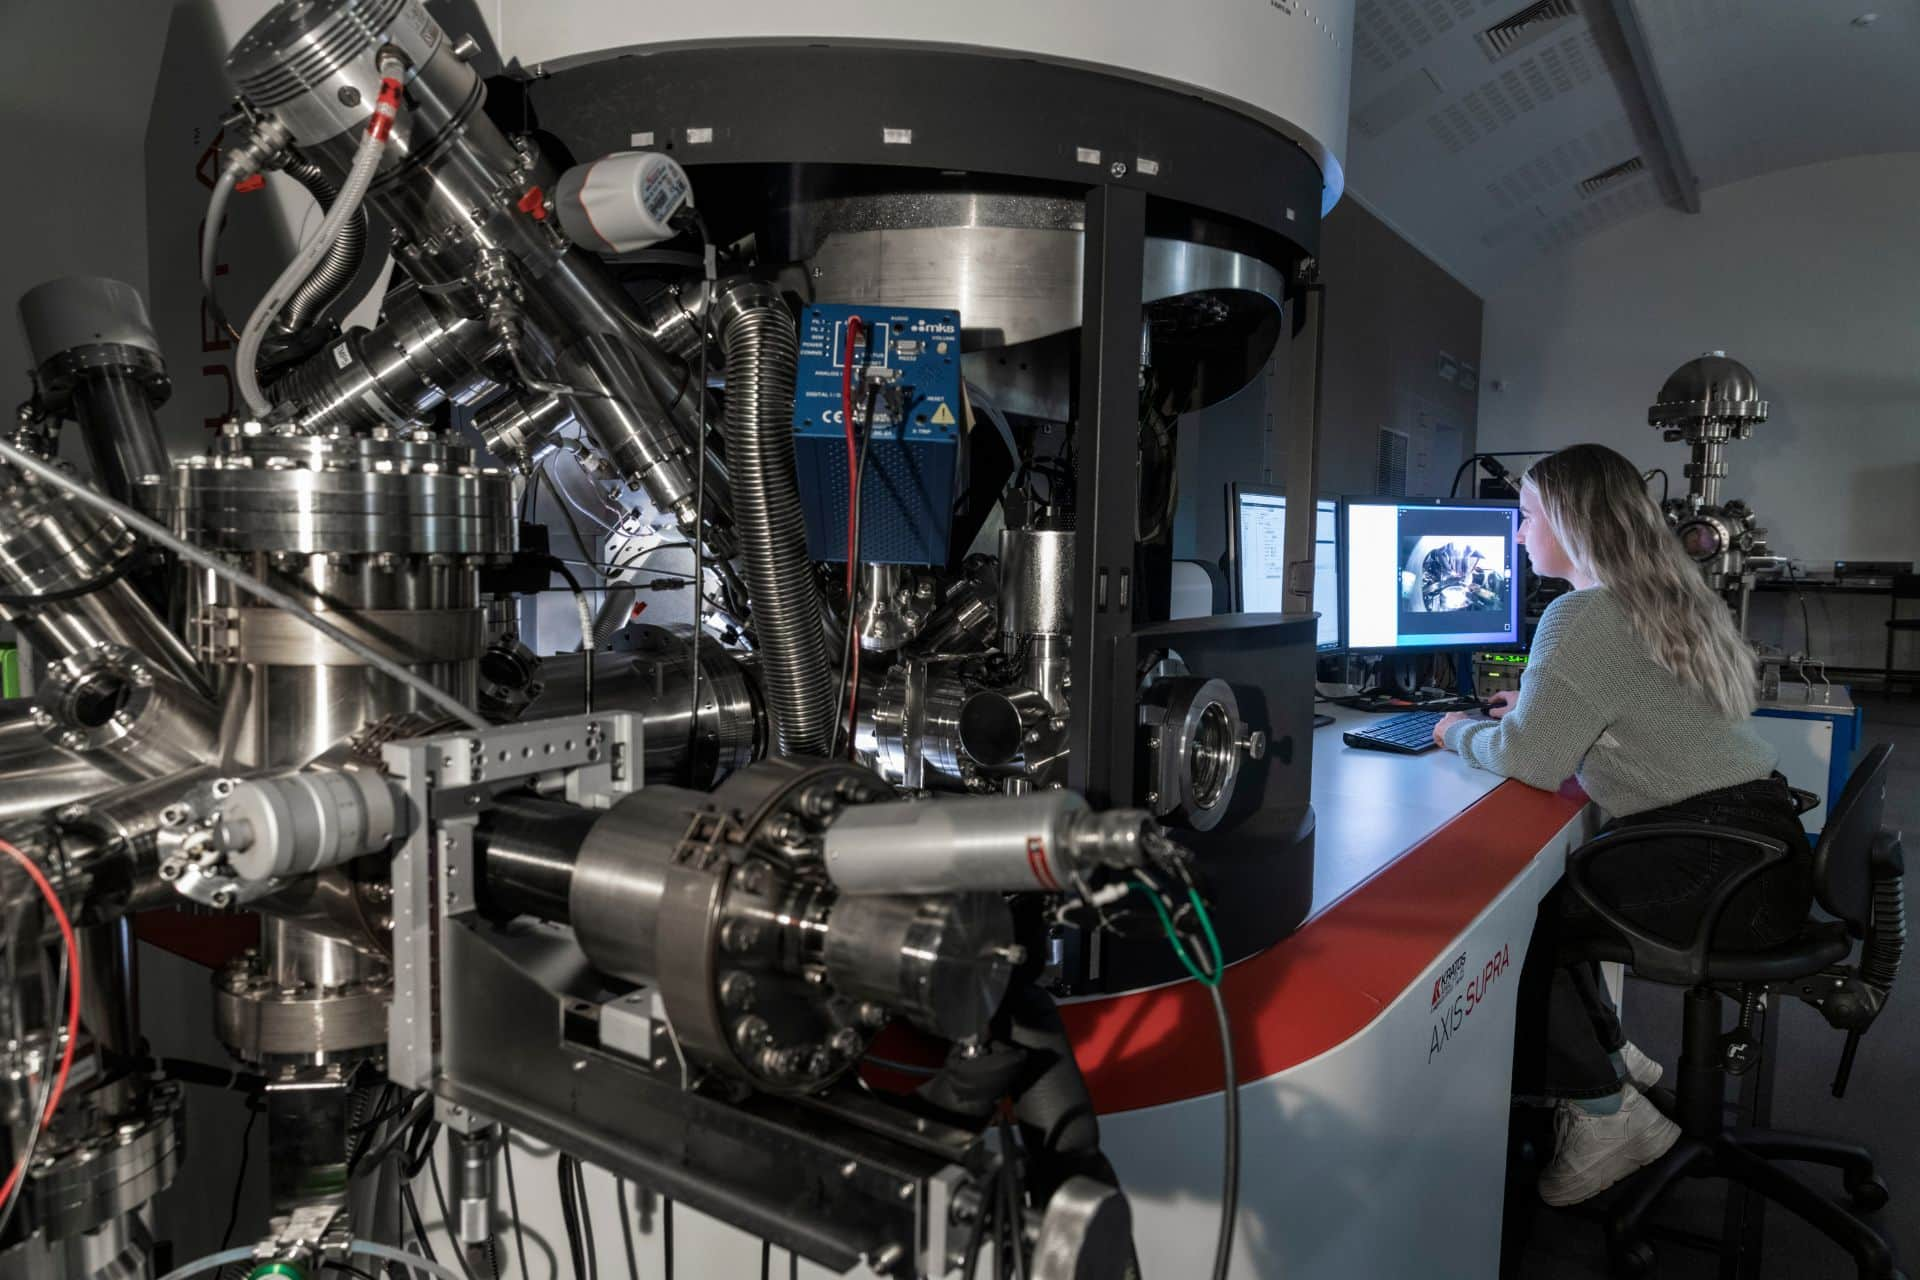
x=1881, y=1109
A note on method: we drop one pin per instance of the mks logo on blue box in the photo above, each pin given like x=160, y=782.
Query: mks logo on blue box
x=905, y=384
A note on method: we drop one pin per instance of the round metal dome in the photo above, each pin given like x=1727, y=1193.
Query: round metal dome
x=1708, y=388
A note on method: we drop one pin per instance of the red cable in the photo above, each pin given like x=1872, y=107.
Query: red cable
x=853, y=509
x=73, y=1003
x=853, y=457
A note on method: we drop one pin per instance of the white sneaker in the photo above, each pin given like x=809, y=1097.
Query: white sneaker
x=1642, y=1070
x=1592, y=1152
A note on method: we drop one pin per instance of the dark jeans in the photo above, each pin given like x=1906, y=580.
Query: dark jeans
x=1662, y=886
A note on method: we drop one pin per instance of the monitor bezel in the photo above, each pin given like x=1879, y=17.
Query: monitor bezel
x=1522, y=572
x=1236, y=595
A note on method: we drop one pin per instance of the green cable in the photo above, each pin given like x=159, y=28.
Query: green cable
x=1206, y=925
x=1173, y=935
x=277, y=1271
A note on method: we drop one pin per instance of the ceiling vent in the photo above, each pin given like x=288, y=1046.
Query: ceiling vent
x=1530, y=24
x=1594, y=185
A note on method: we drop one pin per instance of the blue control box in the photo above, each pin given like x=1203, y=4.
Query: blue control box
x=907, y=380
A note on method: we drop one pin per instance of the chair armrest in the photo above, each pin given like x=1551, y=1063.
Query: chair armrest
x=1663, y=959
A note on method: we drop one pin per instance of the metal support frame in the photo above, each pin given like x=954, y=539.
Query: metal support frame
x=1305, y=356
x=447, y=781
x=1107, y=496
x=840, y=1177
x=1744, y=1232
x=1686, y=183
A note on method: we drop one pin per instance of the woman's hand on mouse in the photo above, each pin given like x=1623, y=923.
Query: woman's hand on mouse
x=1502, y=702
x=1447, y=722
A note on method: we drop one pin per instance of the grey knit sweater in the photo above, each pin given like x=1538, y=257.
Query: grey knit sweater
x=1594, y=704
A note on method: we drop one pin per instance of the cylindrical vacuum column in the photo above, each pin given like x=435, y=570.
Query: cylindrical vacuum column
x=95, y=358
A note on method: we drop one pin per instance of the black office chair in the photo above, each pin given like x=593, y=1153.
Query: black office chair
x=1906, y=586
x=1858, y=880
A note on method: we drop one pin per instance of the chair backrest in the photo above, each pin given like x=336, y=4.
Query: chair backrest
x=1842, y=873
x=1906, y=586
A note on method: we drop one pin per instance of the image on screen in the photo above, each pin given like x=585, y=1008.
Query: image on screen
x=1430, y=576
x=1260, y=532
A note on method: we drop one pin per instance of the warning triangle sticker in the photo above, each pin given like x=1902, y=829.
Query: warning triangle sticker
x=943, y=415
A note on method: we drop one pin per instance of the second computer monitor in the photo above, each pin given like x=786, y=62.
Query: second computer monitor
x=1431, y=573
x=1259, y=552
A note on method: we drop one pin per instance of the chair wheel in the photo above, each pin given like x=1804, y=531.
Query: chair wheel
x=1869, y=1192
x=1632, y=1260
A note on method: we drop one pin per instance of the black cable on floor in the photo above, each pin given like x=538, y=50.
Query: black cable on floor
x=626, y=1228
x=1011, y=1191
x=586, y=1221
x=419, y=1225
x=240, y=1178
x=570, y=1215
x=513, y=1202
x=1230, y=1172
x=666, y=1228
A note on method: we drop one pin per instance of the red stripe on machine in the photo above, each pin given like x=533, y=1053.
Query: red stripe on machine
x=1322, y=984
x=1037, y=862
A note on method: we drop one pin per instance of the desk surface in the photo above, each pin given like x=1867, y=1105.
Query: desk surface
x=1370, y=807
x=1409, y=851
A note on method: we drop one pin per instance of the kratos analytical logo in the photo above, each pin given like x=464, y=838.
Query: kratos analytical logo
x=1453, y=1004
x=1449, y=978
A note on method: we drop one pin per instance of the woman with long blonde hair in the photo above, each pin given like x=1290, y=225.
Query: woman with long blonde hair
x=1639, y=685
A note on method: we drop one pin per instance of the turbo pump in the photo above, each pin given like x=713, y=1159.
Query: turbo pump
x=652, y=907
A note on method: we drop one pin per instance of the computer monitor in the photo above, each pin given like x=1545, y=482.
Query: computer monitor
x=1257, y=526
x=1430, y=573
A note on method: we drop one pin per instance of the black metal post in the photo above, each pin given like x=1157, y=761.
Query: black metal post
x=1107, y=495
x=1305, y=347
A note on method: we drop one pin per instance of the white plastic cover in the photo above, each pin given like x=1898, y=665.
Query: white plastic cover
x=1286, y=63
x=621, y=202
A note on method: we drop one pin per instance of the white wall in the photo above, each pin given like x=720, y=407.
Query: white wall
x=1809, y=276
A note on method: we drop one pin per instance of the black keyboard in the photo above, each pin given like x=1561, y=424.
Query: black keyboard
x=1409, y=734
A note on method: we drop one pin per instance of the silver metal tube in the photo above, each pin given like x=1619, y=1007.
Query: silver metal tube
x=762, y=352
x=685, y=745
x=298, y=957
x=115, y=413
x=50, y=545
x=96, y=358
x=473, y=1188
x=984, y=843
x=517, y=429
x=245, y=582
x=626, y=419
x=883, y=625
x=112, y=705
x=944, y=962
x=1036, y=583
x=420, y=356
x=37, y=783
x=461, y=229
x=1707, y=469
